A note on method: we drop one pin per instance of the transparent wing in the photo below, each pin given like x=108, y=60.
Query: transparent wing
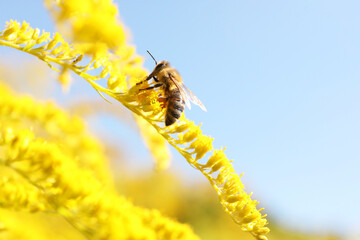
x=182, y=91
x=193, y=98
x=187, y=95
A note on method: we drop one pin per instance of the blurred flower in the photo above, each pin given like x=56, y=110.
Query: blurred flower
x=61, y=169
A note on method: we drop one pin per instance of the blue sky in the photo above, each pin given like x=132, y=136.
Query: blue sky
x=280, y=80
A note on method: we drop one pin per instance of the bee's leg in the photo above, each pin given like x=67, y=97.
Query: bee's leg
x=147, y=79
x=155, y=79
x=162, y=101
x=155, y=86
x=141, y=82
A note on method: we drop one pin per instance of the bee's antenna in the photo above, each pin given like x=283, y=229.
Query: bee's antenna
x=152, y=56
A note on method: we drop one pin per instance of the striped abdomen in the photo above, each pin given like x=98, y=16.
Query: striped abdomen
x=175, y=107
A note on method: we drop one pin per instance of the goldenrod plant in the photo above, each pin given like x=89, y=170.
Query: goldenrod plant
x=59, y=167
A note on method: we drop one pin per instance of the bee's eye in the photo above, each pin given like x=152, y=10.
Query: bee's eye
x=160, y=65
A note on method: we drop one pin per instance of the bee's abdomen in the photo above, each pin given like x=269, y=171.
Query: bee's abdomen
x=174, y=110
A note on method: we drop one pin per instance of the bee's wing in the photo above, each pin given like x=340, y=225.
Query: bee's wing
x=193, y=98
x=187, y=95
x=182, y=91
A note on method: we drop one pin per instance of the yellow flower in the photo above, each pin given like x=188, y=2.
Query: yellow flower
x=17, y=194
x=90, y=21
x=122, y=73
x=184, y=135
x=59, y=168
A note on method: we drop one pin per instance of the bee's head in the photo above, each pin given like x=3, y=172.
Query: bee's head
x=161, y=65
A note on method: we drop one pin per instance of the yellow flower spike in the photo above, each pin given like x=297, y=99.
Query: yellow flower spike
x=114, y=82
x=105, y=71
x=58, y=126
x=201, y=146
x=25, y=38
x=62, y=48
x=36, y=34
x=221, y=163
x=56, y=39
x=225, y=184
x=11, y=31
x=11, y=26
x=230, y=188
x=252, y=217
x=43, y=38
x=178, y=128
x=98, y=63
x=65, y=52
x=234, y=198
x=18, y=195
x=221, y=178
x=90, y=20
x=149, y=102
x=182, y=125
x=31, y=41
x=20, y=143
x=24, y=27
x=194, y=132
x=217, y=156
x=6, y=134
x=261, y=231
x=50, y=168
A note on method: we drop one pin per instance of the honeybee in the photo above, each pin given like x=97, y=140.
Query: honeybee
x=176, y=94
